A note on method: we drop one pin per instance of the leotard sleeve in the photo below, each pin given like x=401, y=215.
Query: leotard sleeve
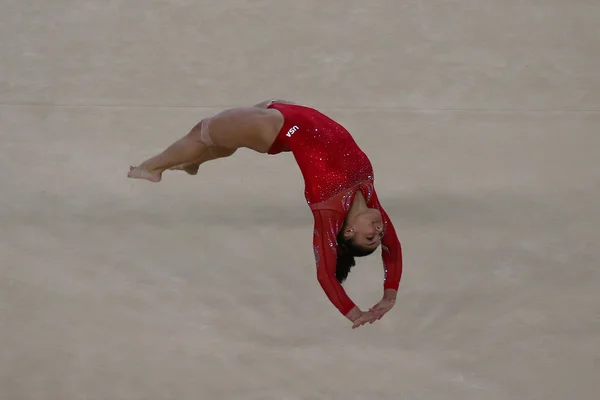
x=391, y=254
x=327, y=224
x=391, y=249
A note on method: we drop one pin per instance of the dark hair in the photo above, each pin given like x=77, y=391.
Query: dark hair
x=345, y=257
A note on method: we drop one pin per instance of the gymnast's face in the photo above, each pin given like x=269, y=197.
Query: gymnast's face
x=366, y=229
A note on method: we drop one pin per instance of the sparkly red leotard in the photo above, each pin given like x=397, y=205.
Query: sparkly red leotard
x=334, y=169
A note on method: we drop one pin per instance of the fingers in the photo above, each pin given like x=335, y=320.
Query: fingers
x=378, y=316
x=360, y=322
x=365, y=319
x=357, y=324
x=375, y=313
x=379, y=312
x=382, y=308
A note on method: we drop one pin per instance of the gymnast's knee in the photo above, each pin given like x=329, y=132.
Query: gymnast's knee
x=200, y=133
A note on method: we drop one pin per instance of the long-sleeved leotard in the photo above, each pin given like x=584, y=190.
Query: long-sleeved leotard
x=334, y=169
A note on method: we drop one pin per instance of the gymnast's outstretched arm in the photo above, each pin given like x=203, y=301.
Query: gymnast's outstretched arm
x=326, y=259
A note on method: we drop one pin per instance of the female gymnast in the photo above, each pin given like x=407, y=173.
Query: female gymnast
x=339, y=188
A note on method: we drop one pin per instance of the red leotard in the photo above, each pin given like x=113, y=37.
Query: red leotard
x=334, y=169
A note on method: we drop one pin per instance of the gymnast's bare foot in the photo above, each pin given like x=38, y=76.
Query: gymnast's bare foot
x=142, y=173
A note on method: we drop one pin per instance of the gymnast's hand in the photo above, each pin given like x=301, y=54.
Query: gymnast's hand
x=385, y=305
x=360, y=318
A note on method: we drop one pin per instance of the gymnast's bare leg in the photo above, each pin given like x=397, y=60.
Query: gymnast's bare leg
x=211, y=153
x=216, y=137
x=188, y=149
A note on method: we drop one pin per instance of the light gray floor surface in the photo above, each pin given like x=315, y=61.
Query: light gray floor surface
x=481, y=118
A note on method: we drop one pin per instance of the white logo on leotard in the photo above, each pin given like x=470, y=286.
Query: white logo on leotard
x=292, y=130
